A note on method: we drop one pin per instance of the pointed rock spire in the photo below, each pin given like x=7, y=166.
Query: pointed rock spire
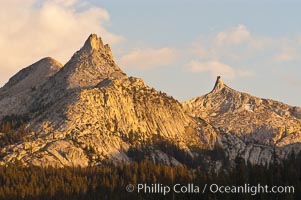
x=89, y=66
x=93, y=43
x=219, y=84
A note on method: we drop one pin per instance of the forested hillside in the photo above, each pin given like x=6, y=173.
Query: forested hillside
x=109, y=182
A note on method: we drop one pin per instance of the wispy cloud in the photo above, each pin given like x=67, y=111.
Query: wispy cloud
x=217, y=68
x=286, y=54
x=148, y=58
x=239, y=44
x=233, y=36
x=32, y=29
x=235, y=43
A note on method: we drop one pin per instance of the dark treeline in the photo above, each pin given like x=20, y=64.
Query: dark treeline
x=109, y=181
x=12, y=129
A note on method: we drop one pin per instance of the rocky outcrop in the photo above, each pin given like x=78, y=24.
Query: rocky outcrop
x=87, y=67
x=16, y=95
x=296, y=111
x=89, y=112
x=113, y=116
x=95, y=111
x=256, y=124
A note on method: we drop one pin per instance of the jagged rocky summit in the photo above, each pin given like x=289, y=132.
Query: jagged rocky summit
x=252, y=126
x=89, y=112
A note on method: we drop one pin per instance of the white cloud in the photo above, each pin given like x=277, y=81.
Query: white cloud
x=65, y=3
x=235, y=44
x=234, y=36
x=148, y=58
x=286, y=54
x=33, y=29
x=217, y=68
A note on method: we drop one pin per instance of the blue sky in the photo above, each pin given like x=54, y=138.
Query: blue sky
x=176, y=46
